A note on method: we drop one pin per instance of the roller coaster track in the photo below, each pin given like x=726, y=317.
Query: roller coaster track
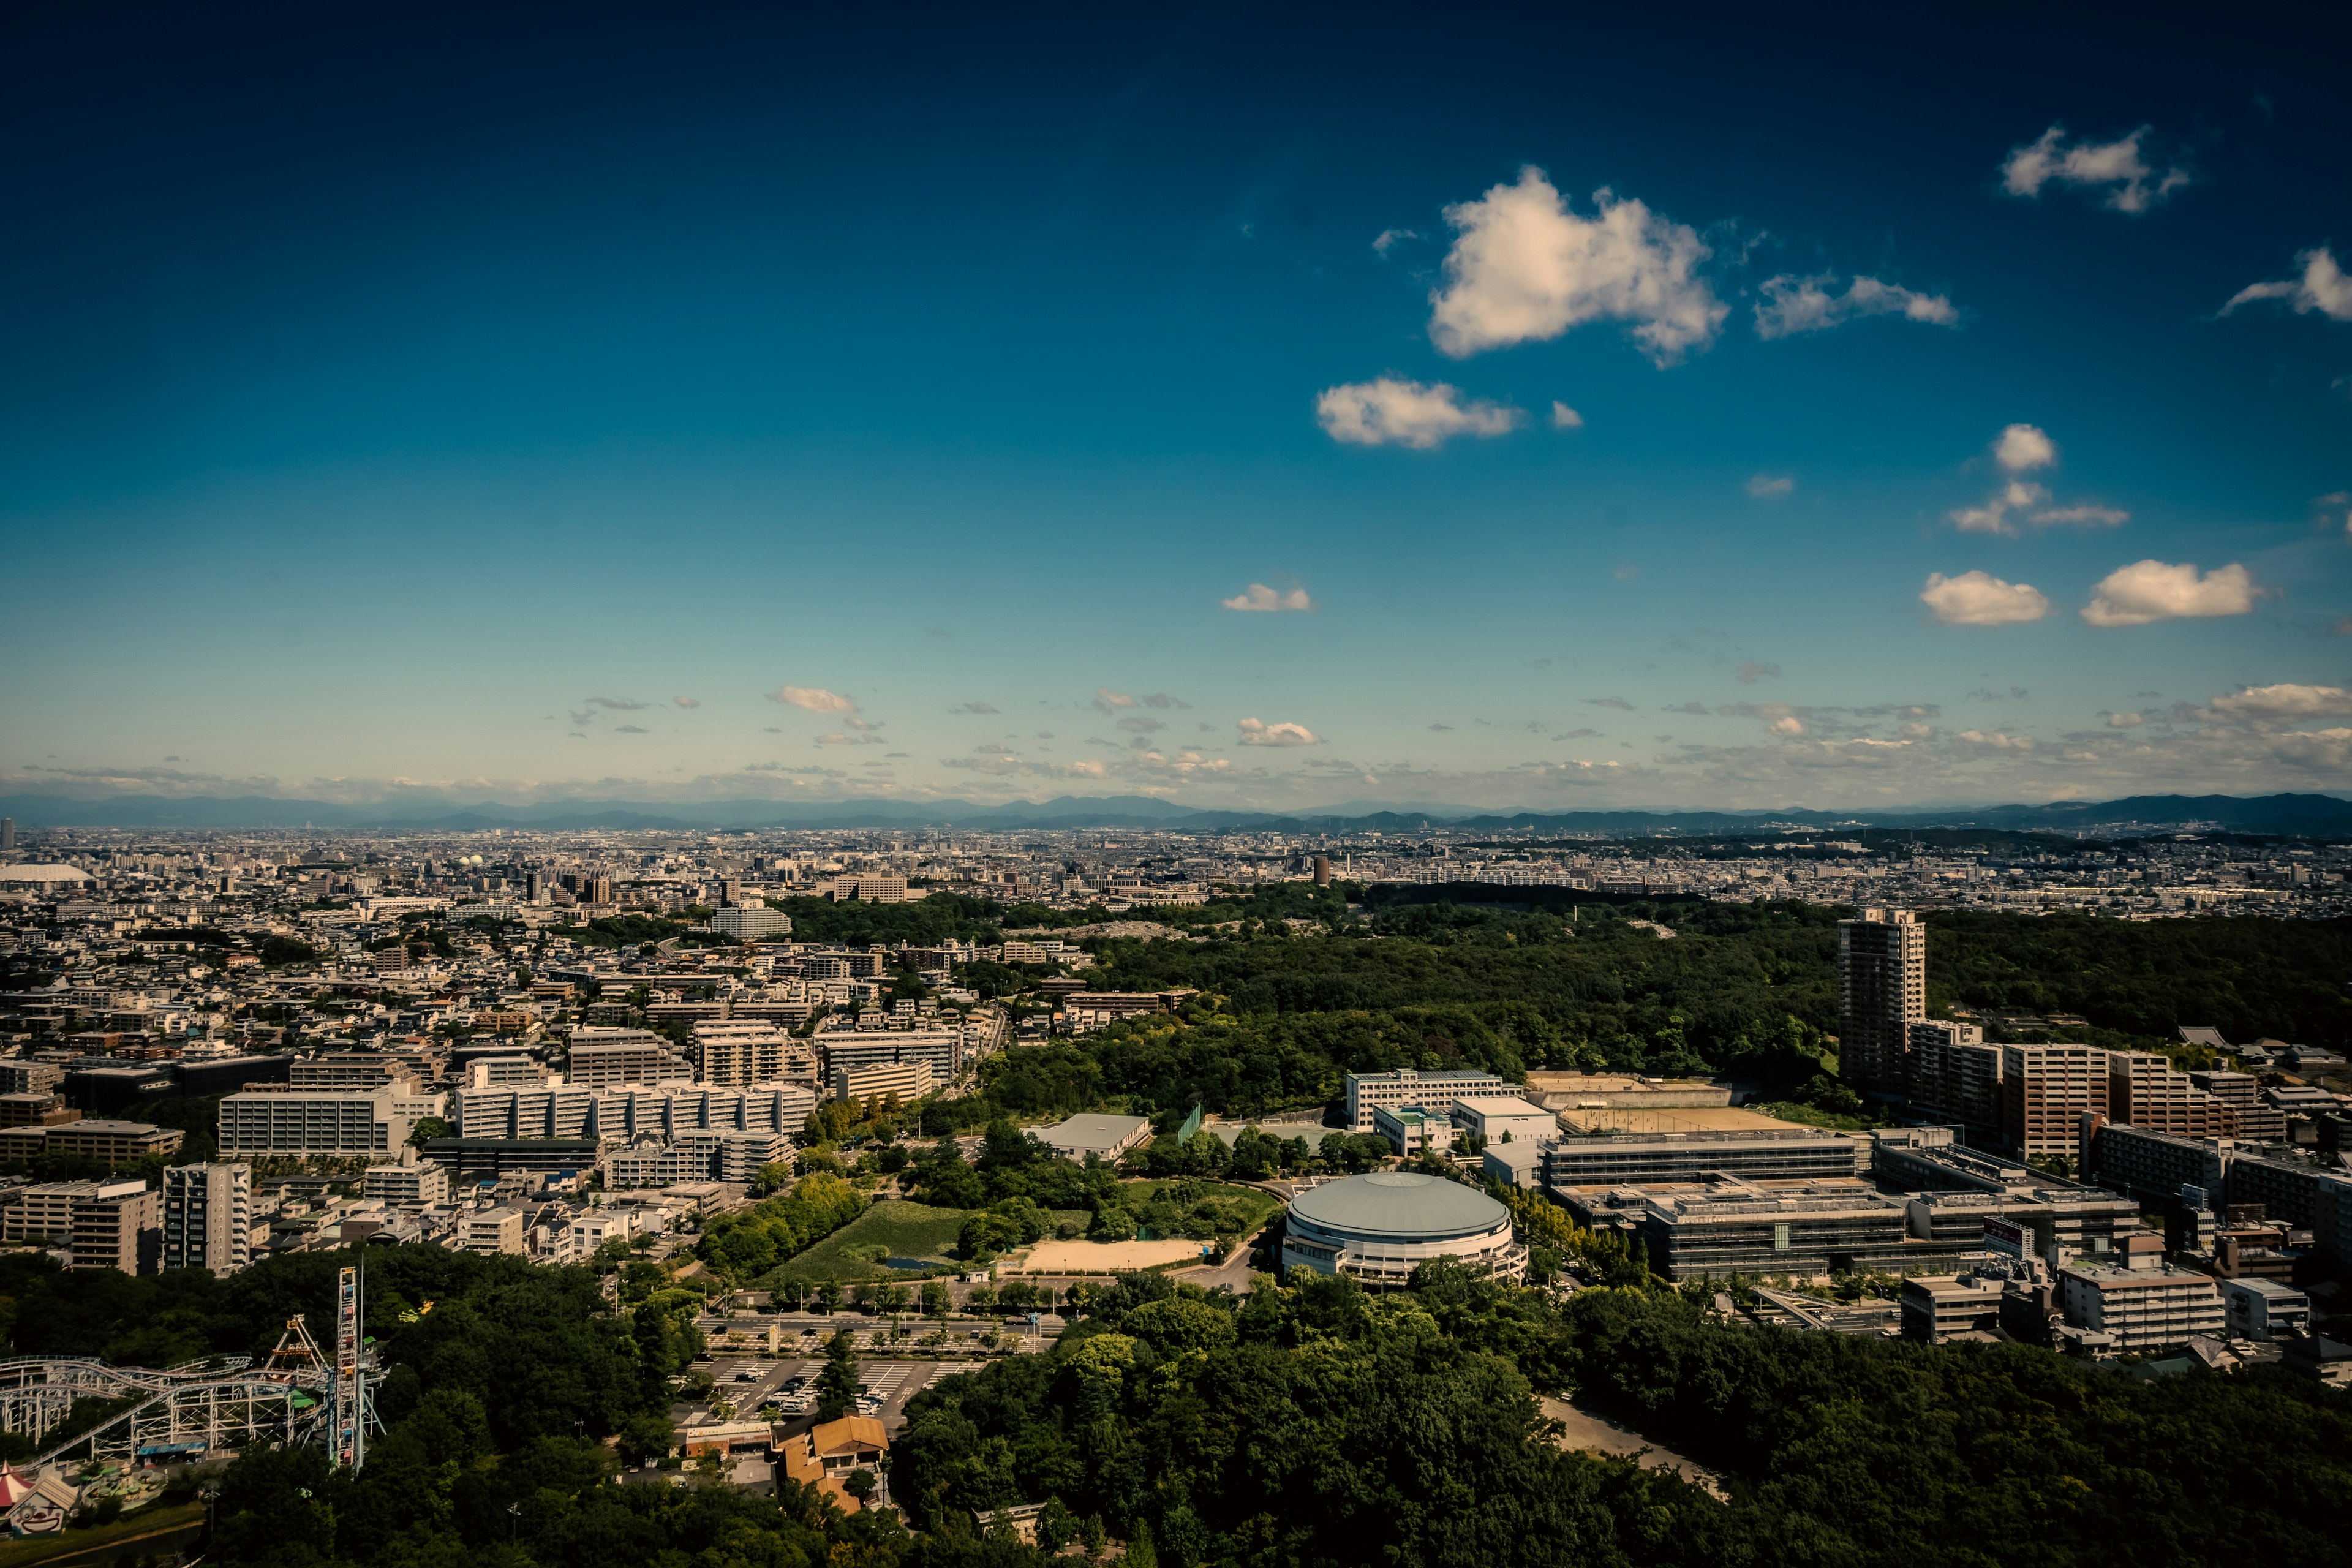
x=222, y=1402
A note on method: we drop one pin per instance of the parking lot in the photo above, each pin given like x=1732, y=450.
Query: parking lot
x=749, y=1382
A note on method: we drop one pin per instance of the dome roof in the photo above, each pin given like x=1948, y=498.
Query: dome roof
x=42, y=874
x=1400, y=1206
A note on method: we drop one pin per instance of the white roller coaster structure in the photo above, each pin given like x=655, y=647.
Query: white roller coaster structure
x=221, y=1402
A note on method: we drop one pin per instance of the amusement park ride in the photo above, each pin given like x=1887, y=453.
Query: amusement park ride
x=296, y=1395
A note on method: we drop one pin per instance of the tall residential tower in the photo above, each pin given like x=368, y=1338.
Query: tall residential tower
x=1882, y=992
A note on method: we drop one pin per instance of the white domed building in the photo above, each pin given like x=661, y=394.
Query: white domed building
x=1379, y=1228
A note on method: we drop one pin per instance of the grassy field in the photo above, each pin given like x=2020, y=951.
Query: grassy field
x=891, y=1228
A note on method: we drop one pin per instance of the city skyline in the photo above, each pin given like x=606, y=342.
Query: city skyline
x=1219, y=411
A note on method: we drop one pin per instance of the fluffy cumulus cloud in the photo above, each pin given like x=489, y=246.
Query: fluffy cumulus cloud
x=2323, y=288
x=2021, y=448
x=2149, y=591
x=1981, y=599
x=2286, y=701
x=815, y=698
x=1390, y=411
x=1770, y=487
x=2118, y=169
x=1563, y=417
x=1258, y=596
x=1255, y=733
x=1991, y=742
x=1791, y=304
x=1526, y=268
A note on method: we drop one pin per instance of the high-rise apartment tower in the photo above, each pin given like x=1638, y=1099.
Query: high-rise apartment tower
x=1882, y=992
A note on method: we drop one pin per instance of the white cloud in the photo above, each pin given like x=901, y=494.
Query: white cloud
x=2131, y=185
x=1994, y=516
x=1258, y=596
x=815, y=698
x=1770, y=487
x=1391, y=410
x=1524, y=268
x=2021, y=448
x=1388, y=238
x=836, y=738
x=2083, y=516
x=1791, y=304
x=1253, y=734
x=2286, y=701
x=1105, y=699
x=688, y=701
x=1563, y=417
x=1787, y=724
x=2126, y=721
x=1981, y=599
x=1980, y=740
x=2149, y=591
x=2324, y=288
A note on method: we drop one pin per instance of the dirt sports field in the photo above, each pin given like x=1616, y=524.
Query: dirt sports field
x=1105, y=1257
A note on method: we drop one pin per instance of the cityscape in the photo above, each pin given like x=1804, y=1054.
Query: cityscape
x=1173, y=789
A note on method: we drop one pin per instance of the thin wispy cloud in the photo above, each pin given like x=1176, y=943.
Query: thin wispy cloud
x=1792, y=305
x=2321, y=287
x=1390, y=411
x=2116, y=171
x=1257, y=597
x=815, y=698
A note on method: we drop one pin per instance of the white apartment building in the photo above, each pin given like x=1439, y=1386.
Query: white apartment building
x=408, y=1185
x=876, y=1080
x=942, y=1049
x=1502, y=1119
x=493, y=1231
x=603, y=1058
x=2141, y=1307
x=630, y=1111
x=1436, y=1092
x=2264, y=1309
x=749, y=922
x=740, y=1052
x=208, y=1217
x=346, y=1123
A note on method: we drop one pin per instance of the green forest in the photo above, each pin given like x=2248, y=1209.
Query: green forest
x=1295, y=991
x=1299, y=1426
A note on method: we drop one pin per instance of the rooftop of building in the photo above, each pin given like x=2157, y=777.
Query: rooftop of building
x=1400, y=1206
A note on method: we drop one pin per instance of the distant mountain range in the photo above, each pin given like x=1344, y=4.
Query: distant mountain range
x=2315, y=815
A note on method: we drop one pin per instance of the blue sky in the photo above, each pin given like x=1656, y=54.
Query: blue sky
x=405, y=401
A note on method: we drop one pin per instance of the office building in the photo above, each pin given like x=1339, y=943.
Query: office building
x=2046, y=1090
x=35, y=1110
x=1433, y=1092
x=1882, y=992
x=600, y=1057
x=2154, y=1166
x=2141, y=1307
x=1804, y=1229
x=1935, y=1311
x=1955, y=1077
x=1501, y=1119
x=7, y=833
x=472, y=1159
x=1410, y=1128
x=1791, y=1153
x=345, y=1123
x=208, y=1217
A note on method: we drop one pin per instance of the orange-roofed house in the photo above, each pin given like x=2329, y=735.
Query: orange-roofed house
x=825, y=1455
